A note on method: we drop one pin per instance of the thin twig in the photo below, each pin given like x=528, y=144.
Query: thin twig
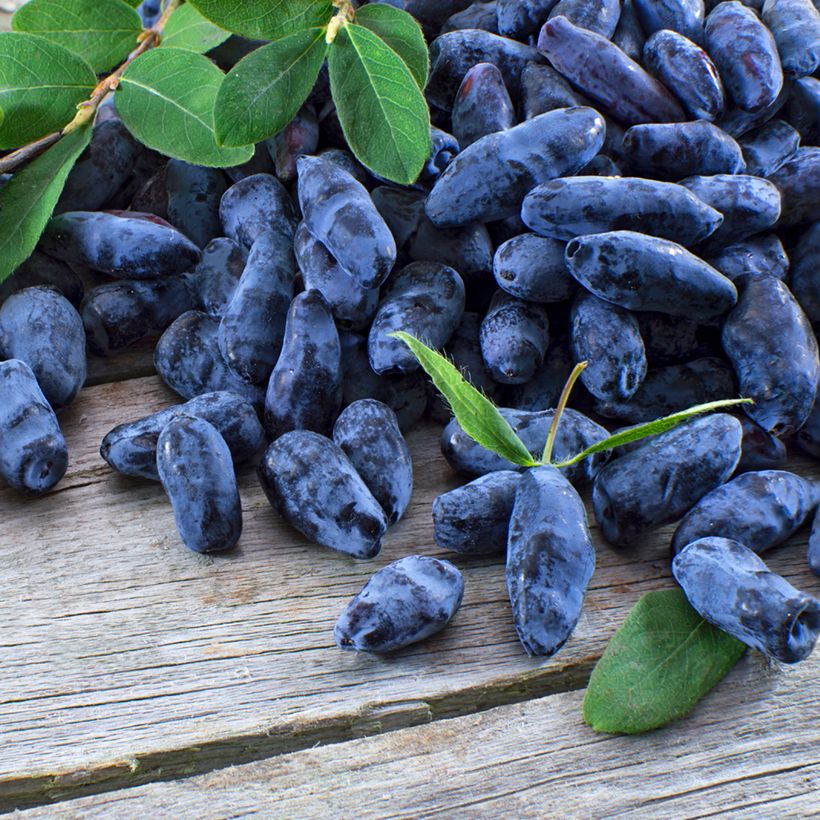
x=87, y=110
x=559, y=410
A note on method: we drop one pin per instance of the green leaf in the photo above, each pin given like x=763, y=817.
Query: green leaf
x=652, y=428
x=477, y=415
x=133, y=3
x=263, y=91
x=382, y=111
x=402, y=33
x=41, y=84
x=187, y=28
x=27, y=201
x=657, y=666
x=102, y=32
x=166, y=100
x=265, y=19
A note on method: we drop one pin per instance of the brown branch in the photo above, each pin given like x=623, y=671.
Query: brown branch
x=86, y=110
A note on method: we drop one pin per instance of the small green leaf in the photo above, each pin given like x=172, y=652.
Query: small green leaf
x=402, y=33
x=133, y=3
x=166, y=100
x=28, y=199
x=187, y=28
x=657, y=666
x=102, y=32
x=41, y=84
x=263, y=91
x=382, y=111
x=652, y=428
x=265, y=19
x=477, y=415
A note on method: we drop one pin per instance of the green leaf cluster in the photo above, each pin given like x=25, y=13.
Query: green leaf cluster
x=377, y=63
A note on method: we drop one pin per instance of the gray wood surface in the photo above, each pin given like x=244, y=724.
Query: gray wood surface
x=125, y=658
x=750, y=749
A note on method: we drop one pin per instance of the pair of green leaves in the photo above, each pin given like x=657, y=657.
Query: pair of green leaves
x=665, y=657
x=481, y=420
x=377, y=64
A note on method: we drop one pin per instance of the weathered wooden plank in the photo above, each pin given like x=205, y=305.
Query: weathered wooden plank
x=751, y=748
x=134, y=362
x=124, y=657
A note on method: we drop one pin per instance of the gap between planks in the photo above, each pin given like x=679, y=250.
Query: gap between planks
x=750, y=748
x=125, y=658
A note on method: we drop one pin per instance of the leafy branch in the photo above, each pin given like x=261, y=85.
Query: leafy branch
x=483, y=422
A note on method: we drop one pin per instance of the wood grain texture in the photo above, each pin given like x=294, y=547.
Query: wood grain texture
x=125, y=658
x=750, y=749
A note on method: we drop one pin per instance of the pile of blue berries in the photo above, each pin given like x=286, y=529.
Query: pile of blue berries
x=634, y=183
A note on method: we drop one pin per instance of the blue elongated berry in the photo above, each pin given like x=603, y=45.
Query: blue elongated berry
x=731, y=587
x=42, y=328
x=532, y=268
x=474, y=519
x=131, y=448
x=609, y=339
x=640, y=272
x=33, y=453
x=769, y=147
x=804, y=282
x=194, y=194
x=664, y=478
x=368, y=432
x=424, y=299
x=761, y=255
x=482, y=105
x=514, y=338
x=305, y=388
x=252, y=326
x=403, y=603
x=316, y=489
x=196, y=471
x=490, y=179
x=550, y=559
x=574, y=206
x=761, y=509
x=215, y=278
x=254, y=205
x=798, y=181
x=339, y=212
x=779, y=368
x=119, y=244
x=795, y=25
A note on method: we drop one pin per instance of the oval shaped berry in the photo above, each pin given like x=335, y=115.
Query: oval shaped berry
x=761, y=509
x=665, y=477
x=733, y=589
x=339, y=212
x=368, y=432
x=687, y=71
x=804, y=281
x=600, y=16
x=34, y=456
x=769, y=147
x=131, y=448
x=778, y=369
x=761, y=255
x=40, y=269
x=352, y=305
x=795, y=25
x=42, y=328
x=550, y=559
x=316, y=489
x=575, y=206
x=682, y=16
x=254, y=205
x=482, y=105
x=305, y=387
x=215, y=278
x=798, y=181
x=514, y=338
x=532, y=268
x=640, y=272
x=760, y=450
x=745, y=54
x=403, y=603
x=196, y=471
x=681, y=149
x=424, y=299
x=609, y=339
x=489, y=179
x=188, y=360
x=252, y=326
x=474, y=519
x=123, y=245
x=605, y=73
